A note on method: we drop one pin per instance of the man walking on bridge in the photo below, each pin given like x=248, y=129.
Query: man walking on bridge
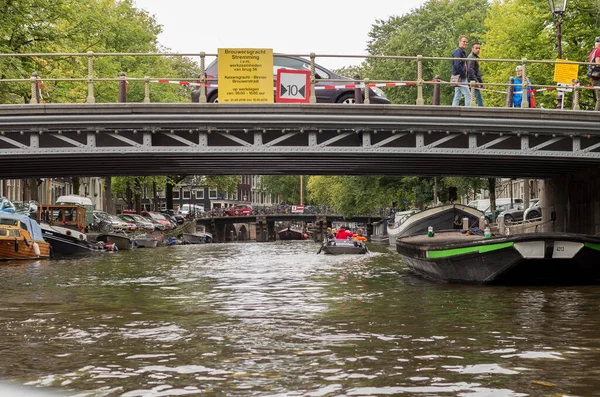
x=474, y=74
x=459, y=68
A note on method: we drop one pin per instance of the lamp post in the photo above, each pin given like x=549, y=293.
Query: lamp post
x=557, y=8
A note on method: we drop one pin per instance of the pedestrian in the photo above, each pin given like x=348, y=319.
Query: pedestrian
x=594, y=70
x=459, y=72
x=474, y=74
x=518, y=88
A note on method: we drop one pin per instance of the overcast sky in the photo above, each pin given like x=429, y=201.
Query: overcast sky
x=332, y=27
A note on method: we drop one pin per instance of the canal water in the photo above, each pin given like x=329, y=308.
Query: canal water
x=276, y=319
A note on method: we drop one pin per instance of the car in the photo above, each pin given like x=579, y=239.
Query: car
x=516, y=214
x=158, y=217
x=103, y=220
x=239, y=210
x=140, y=222
x=178, y=218
x=500, y=209
x=323, y=76
x=484, y=204
x=533, y=212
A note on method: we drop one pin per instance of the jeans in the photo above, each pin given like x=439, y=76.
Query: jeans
x=478, y=97
x=462, y=90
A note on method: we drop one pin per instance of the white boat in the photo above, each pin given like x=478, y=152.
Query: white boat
x=144, y=241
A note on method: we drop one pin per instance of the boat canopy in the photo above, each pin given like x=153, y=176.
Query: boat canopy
x=32, y=226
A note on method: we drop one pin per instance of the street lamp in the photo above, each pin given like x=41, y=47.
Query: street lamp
x=557, y=8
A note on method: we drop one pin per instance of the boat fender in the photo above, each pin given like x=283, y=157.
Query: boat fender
x=16, y=245
x=36, y=249
x=27, y=243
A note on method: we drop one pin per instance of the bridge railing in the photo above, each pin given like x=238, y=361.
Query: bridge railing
x=43, y=82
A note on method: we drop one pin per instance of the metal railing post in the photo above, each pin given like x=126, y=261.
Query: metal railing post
x=509, y=93
x=313, y=96
x=524, y=101
x=576, y=94
x=436, y=90
x=35, y=92
x=90, y=97
x=202, y=87
x=146, y=89
x=420, y=80
x=358, y=98
x=367, y=96
x=122, y=87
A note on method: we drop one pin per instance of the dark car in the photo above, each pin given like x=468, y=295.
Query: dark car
x=516, y=214
x=323, y=78
x=239, y=210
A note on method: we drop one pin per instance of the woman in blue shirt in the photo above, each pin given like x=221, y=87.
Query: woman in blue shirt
x=518, y=88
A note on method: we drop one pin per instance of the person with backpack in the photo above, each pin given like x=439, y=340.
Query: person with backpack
x=594, y=70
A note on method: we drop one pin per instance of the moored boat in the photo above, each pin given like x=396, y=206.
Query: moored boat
x=144, y=241
x=121, y=241
x=531, y=258
x=196, y=238
x=343, y=247
x=21, y=238
x=443, y=217
x=292, y=234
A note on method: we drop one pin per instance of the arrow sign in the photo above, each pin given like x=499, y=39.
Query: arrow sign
x=293, y=86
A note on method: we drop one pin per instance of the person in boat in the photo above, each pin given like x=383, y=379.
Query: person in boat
x=349, y=234
x=341, y=234
x=330, y=236
x=359, y=236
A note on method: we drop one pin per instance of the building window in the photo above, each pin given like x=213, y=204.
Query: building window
x=212, y=193
x=200, y=194
x=176, y=194
x=186, y=195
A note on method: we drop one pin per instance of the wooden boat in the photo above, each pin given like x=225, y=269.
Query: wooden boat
x=21, y=238
x=121, y=241
x=343, y=247
x=443, y=217
x=144, y=241
x=292, y=234
x=63, y=225
x=531, y=258
x=196, y=238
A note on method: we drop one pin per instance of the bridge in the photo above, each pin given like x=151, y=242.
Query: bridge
x=224, y=228
x=55, y=140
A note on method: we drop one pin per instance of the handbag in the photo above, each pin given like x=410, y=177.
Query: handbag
x=455, y=80
x=532, y=103
x=593, y=71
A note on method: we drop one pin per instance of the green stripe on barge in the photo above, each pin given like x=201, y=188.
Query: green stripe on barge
x=467, y=250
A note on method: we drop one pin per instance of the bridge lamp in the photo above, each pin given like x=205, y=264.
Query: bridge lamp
x=558, y=8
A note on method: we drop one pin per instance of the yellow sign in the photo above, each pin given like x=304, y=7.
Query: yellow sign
x=245, y=75
x=565, y=72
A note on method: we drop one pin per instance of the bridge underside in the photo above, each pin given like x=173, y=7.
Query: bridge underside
x=209, y=139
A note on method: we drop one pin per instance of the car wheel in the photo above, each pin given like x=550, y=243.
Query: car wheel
x=533, y=214
x=508, y=219
x=347, y=99
x=225, y=214
x=214, y=98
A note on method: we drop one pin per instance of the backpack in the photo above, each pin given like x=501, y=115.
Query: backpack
x=593, y=72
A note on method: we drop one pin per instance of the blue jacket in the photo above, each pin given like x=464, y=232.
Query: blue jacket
x=518, y=94
x=459, y=66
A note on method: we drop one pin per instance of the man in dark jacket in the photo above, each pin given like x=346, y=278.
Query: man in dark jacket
x=474, y=74
x=459, y=67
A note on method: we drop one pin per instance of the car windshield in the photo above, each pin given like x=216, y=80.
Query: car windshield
x=158, y=217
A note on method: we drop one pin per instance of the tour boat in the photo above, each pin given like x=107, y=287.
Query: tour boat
x=21, y=238
x=530, y=258
x=343, y=247
x=292, y=234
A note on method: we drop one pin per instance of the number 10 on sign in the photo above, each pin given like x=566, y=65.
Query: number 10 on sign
x=293, y=86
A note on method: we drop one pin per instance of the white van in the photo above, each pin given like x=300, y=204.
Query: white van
x=82, y=201
x=185, y=209
x=484, y=204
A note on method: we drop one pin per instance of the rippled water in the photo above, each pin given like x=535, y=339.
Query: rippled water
x=275, y=319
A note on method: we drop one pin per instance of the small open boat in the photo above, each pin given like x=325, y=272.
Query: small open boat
x=343, y=247
x=121, y=241
x=21, y=238
x=196, y=238
x=144, y=241
x=530, y=258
